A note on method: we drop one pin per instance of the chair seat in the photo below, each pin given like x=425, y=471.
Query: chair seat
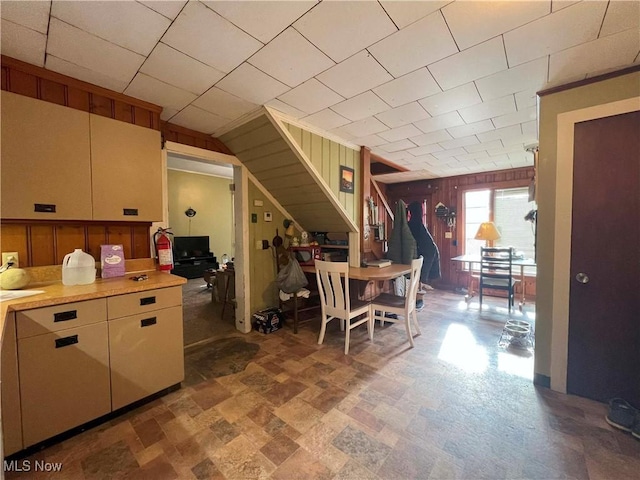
x=359, y=304
x=389, y=300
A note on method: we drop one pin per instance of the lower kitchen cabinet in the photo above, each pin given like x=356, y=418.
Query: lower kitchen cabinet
x=12, y=416
x=64, y=380
x=146, y=354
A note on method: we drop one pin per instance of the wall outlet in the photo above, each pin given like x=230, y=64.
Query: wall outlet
x=7, y=255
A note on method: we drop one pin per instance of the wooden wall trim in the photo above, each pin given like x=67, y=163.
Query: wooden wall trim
x=587, y=81
x=186, y=136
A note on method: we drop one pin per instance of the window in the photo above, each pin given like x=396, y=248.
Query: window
x=507, y=208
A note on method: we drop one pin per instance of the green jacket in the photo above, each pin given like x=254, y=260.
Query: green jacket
x=402, y=245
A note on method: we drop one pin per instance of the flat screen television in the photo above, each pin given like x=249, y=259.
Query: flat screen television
x=187, y=247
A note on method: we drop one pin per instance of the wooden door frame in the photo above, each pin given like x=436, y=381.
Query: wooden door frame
x=562, y=229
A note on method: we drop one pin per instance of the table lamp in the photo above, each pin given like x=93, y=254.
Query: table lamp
x=488, y=232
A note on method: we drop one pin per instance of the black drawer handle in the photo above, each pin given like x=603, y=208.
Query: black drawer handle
x=66, y=341
x=65, y=316
x=130, y=211
x=44, y=207
x=147, y=322
x=147, y=301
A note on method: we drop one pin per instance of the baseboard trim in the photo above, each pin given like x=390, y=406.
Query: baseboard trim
x=541, y=380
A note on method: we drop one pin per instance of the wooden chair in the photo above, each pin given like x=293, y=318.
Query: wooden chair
x=333, y=287
x=404, y=306
x=496, y=273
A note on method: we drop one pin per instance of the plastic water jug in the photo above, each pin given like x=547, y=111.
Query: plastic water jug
x=78, y=268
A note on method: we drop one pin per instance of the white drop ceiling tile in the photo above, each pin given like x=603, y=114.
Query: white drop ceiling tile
x=200, y=120
x=418, y=151
x=369, y=141
x=361, y=106
x=264, y=19
x=200, y=32
x=128, y=24
x=311, y=97
x=472, y=156
x=326, y=119
x=64, y=67
x=362, y=128
x=93, y=53
x=285, y=108
x=167, y=113
x=489, y=109
x=169, y=65
x=514, y=148
x=484, y=146
x=431, y=137
x=396, y=146
x=449, y=153
x=405, y=13
x=340, y=29
x=401, y=157
x=223, y=104
x=168, y=8
x=560, y=30
x=453, y=99
x=530, y=128
x=151, y=90
x=621, y=15
x=528, y=76
x=520, y=116
x=527, y=98
x=471, y=129
x=522, y=156
x=400, y=133
x=501, y=133
x=249, y=83
x=560, y=4
x=355, y=75
x=460, y=142
x=421, y=43
x=397, y=117
x=605, y=53
x=291, y=58
x=31, y=14
x=23, y=43
x=408, y=88
x=474, y=22
x=475, y=62
x=428, y=125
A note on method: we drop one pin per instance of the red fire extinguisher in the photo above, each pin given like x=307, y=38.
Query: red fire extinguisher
x=164, y=250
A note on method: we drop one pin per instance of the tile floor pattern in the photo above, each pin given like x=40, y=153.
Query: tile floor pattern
x=455, y=406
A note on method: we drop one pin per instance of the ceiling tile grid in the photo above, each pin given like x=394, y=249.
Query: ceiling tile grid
x=440, y=87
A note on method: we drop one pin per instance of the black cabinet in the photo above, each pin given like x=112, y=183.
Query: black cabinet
x=194, y=267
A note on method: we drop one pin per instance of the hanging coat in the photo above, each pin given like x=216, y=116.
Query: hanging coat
x=426, y=245
x=402, y=245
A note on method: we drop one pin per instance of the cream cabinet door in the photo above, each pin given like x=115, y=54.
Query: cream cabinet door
x=46, y=167
x=126, y=166
x=11, y=415
x=64, y=380
x=146, y=353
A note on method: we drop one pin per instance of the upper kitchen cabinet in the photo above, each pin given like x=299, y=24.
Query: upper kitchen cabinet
x=46, y=168
x=126, y=165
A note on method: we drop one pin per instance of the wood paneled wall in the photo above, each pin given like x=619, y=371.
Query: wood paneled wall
x=41, y=243
x=449, y=192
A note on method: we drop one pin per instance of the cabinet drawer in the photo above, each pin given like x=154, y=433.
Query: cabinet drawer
x=60, y=317
x=64, y=380
x=143, y=302
x=146, y=354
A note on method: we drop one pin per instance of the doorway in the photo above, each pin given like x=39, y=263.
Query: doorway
x=199, y=160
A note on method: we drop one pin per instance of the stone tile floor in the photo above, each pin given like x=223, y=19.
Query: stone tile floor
x=279, y=406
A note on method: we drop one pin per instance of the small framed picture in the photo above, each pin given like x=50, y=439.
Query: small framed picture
x=346, y=179
x=267, y=217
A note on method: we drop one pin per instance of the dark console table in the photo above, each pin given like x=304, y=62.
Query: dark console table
x=193, y=267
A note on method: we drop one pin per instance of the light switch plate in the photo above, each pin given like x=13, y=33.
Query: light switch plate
x=448, y=235
x=258, y=203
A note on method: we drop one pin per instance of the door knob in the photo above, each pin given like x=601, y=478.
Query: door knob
x=582, y=277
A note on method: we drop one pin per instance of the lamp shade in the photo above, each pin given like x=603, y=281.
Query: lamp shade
x=291, y=231
x=487, y=231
